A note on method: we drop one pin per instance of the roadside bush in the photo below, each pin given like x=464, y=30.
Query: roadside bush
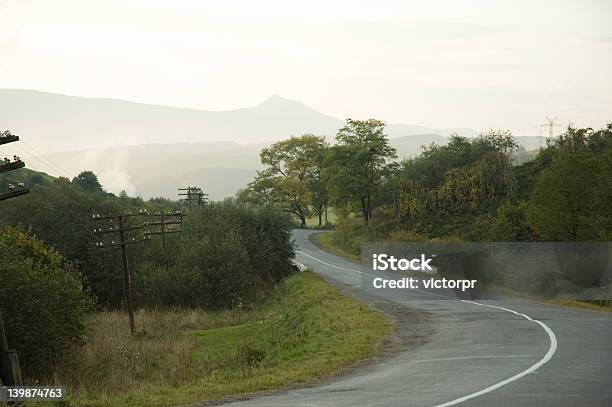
x=350, y=235
x=406, y=236
x=43, y=302
x=228, y=256
x=510, y=224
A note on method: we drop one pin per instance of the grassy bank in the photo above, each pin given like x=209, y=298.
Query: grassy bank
x=593, y=305
x=330, y=242
x=327, y=241
x=305, y=330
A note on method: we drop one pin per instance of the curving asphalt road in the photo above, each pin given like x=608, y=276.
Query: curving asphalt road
x=481, y=353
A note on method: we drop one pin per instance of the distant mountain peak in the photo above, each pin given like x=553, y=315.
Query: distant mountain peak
x=276, y=101
x=274, y=97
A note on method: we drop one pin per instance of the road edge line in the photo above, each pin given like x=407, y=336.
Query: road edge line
x=548, y=356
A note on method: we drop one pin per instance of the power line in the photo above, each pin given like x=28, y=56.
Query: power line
x=31, y=147
x=45, y=165
x=62, y=210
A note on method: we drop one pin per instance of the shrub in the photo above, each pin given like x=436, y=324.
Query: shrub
x=510, y=224
x=406, y=236
x=229, y=255
x=43, y=302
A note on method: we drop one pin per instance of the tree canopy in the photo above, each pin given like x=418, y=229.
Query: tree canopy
x=292, y=179
x=88, y=181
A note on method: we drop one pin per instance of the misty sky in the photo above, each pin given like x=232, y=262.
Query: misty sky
x=479, y=64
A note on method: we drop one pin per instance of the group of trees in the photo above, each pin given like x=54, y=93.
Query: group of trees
x=572, y=193
x=469, y=188
x=58, y=212
x=445, y=189
x=305, y=175
x=227, y=255
x=293, y=179
x=53, y=274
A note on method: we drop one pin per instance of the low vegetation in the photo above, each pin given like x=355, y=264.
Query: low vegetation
x=43, y=301
x=329, y=241
x=220, y=311
x=305, y=329
x=227, y=256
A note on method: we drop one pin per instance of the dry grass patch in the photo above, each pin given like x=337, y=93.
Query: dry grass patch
x=305, y=329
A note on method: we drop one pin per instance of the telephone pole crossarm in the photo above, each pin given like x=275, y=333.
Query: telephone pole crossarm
x=7, y=137
x=7, y=165
x=116, y=230
x=163, y=233
x=163, y=224
x=13, y=194
x=10, y=166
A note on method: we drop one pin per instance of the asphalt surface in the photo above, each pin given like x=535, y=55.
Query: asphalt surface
x=480, y=353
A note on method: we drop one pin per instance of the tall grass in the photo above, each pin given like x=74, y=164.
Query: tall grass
x=303, y=330
x=160, y=353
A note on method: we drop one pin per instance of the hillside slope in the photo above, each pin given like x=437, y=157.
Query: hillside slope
x=54, y=122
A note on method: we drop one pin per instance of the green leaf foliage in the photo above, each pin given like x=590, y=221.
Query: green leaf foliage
x=43, y=301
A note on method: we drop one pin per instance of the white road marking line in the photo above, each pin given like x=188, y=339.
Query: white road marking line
x=551, y=351
x=371, y=275
x=549, y=354
x=334, y=266
x=473, y=357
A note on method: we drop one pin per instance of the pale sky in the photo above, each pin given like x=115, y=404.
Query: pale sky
x=479, y=64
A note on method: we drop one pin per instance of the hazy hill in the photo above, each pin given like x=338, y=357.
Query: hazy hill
x=151, y=150
x=53, y=122
x=409, y=146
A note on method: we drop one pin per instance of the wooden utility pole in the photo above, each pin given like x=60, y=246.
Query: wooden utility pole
x=126, y=274
x=5, y=373
x=202, y=198
x=163, y=230
x=187, y=195
x=193, y=195
x=7, y=165
x=167, y=227
x=121, y=229
x=10, y=371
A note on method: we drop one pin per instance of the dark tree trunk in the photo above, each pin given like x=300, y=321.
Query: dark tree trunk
x=364, y=211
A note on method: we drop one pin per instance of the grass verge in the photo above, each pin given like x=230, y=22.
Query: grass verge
x=325, y=240
x=303, y=331
x=605, y=306
x=593, y=305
